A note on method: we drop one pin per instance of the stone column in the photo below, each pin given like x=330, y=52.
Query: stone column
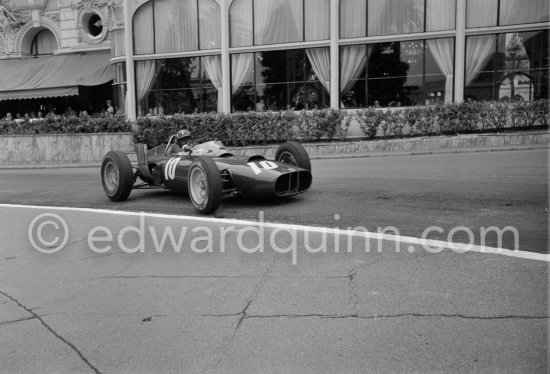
x=334, y=54
x=460, y=50
x=225, y=94
x=130, y=70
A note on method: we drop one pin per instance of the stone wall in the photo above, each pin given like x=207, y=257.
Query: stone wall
x=419, y=144
x=29, y=150
x=61, y=149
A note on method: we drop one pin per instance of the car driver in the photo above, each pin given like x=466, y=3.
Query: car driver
x=181, y=148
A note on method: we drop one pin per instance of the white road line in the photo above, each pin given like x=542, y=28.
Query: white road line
x=322, y=230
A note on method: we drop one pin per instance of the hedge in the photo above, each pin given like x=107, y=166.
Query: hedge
x=251, y=128
x=240, y=129
x=60, y=125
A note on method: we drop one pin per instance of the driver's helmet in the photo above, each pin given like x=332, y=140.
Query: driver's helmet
x=182, y=135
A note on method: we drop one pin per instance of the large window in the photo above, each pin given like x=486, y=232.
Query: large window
x=360, y=18
x=296, y=79
x=262, y=22
x=481, y=13
x=178, y=85
x=511, y=66
x=171, y=26
x=119, y=87
x=418, y=72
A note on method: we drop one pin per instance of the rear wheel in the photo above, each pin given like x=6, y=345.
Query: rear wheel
x=204, y=185
x=293, y=153
x=116, y=175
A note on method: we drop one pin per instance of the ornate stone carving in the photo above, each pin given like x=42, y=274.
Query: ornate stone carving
x=10, y=23
x=112, y=9
x=11, y=20
x=54, y=18
x=77, y=4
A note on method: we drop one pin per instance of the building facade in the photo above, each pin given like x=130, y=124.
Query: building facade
x=55, y=55
x=184, y=56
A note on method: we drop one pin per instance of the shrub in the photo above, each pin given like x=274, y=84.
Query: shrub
x=342, y=131
x=394, y=123
x=59, y=125
x=369, y=121
x=309, y=127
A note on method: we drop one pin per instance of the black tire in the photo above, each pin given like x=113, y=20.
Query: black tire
x=293, y=153
x=117, y=176
x=204, y=185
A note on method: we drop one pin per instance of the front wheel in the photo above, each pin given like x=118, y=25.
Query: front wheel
x=293, y=153
x=204, y=185
x=116, y=176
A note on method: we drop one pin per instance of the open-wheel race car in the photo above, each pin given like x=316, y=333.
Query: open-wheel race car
x=207, y=172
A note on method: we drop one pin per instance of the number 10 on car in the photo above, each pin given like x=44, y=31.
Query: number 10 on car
x=258, y=166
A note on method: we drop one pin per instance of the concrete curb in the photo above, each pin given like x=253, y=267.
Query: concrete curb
x=434, y=152
x=319, y=157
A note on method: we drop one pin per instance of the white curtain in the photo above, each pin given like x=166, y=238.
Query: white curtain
x=278, y=21
x=480, y=13
x=213, y=65
x=242, y=70
x=440, y=15
x=209, y=25
x=145, y=78
x=176, y=28
x=523, y=11
x=320, y=62
x=353, y=18
x=317, y=14
x=478, y=51
x=395, y=17
x=442, y=51
x=437, y=18
x=240, y=23
x=353, y=59
x=143, y=30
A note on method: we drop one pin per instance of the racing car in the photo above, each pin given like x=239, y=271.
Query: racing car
x=207, y=172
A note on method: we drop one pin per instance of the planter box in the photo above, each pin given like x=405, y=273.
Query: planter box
x=61, y=148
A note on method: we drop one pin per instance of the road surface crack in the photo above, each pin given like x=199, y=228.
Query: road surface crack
x=152, y=276
x=243, y=314
x=354, y=297
x=51, y=330
x=382, y=316
x=17, y=321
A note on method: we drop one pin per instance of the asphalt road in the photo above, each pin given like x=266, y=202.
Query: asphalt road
x=223, y=306
x=144, y=293
x=409, y=194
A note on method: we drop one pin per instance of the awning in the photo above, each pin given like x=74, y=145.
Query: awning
x=52, y=76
